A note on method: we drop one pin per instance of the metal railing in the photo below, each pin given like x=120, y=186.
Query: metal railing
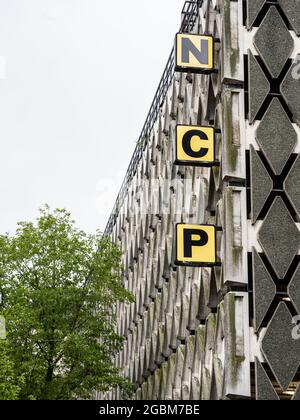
x=189, y=18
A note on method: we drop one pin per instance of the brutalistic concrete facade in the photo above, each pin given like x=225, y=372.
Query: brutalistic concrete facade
x=228, y=331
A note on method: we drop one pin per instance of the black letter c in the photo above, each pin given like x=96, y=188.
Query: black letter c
x=186, y=144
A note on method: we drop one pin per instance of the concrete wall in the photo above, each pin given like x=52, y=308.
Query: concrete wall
x=222, y=332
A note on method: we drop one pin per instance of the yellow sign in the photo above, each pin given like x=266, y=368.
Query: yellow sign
x=195, y=146
x=194, y=52
x=196, y=245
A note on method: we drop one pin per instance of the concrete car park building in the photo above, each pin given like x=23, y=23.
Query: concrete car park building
x=219, y=323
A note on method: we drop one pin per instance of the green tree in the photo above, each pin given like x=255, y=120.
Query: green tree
x=9, y=386
x=60, y=288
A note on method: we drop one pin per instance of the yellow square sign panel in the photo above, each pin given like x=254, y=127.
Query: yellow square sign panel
x=195, y=145
x=194, y=52
x=196, y=245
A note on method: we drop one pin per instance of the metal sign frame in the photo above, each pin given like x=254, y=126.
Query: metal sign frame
x=197, y=162
x=202, y=69
x=197, y=263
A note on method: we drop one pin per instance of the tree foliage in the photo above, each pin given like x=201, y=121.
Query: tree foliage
x=9, y=383
x=60, y=287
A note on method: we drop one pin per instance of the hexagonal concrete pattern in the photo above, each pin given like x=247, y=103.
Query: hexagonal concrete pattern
x=274, y=42
x=276, y=136
x=292, y=185
x=279, y=237
x=291, y=9
x=280, y=349
x=259, y=87
x=290, y=89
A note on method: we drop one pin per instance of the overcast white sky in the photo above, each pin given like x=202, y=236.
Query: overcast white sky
x=77, y=78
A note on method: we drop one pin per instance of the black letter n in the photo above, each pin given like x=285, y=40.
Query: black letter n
x=188, y=47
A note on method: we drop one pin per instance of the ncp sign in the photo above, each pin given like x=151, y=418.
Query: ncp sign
x=194, y=53
x=195, y=146
x=196, y=245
